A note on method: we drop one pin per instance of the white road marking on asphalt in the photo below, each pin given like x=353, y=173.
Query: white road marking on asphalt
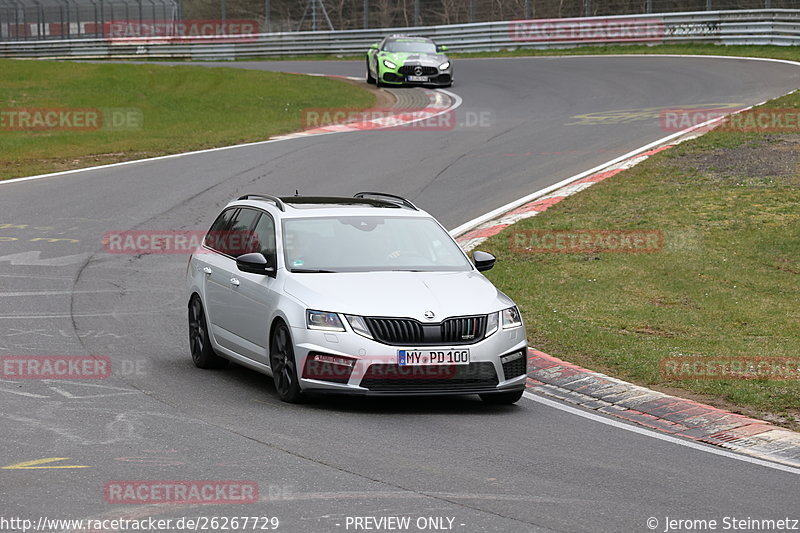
x=655, y=435
x=31, y=258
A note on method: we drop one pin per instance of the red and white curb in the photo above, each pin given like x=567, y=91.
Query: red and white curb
x=473, y=238
x=439, y=102
x=552, y=377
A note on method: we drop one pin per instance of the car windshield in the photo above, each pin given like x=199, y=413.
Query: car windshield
x=368, y=244
x=413, y=47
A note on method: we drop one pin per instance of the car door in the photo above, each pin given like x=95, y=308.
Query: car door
x=226, y=241
x=253, y=296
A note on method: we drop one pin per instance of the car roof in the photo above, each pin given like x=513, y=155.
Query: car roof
x=380, y=204
x=409, y=38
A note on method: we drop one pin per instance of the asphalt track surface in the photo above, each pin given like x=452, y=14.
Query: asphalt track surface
x=527, y=467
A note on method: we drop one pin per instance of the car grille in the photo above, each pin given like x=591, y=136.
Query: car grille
x=408, y=70
x=407, y=331
x=454, y=378
x=515, y=367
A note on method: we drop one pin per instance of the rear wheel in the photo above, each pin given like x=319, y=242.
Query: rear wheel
x=502, y=398
x=199, y=343
x=284, y=367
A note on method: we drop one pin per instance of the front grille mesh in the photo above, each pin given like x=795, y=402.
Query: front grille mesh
x=515, y=368
x=407, y=331
x=408, y=70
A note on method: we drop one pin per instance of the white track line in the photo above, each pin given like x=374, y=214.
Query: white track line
x=653, y=434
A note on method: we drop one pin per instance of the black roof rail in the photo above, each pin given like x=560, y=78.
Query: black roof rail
x=278, y=202
x=391, y=198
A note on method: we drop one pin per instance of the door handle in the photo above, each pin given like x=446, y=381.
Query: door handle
x=207, y=270
x=234, y=282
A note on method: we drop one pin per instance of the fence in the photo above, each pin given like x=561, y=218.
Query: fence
x=64, y=19
x=759, y=27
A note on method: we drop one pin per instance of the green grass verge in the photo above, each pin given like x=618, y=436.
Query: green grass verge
x=725, y=284
x=183, y=108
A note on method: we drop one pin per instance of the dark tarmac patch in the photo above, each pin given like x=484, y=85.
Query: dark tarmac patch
x=763, y=162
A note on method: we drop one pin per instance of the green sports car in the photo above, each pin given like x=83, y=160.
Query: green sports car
x=402, y=60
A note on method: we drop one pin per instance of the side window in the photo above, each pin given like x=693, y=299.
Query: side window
x=263, y=239
x=231, y=233
x=240, y=234
x=220, y=226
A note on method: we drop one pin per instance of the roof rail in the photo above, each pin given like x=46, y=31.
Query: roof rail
x=386, y=196
x=278, y=202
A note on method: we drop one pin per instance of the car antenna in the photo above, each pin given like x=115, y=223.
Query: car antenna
x=297, y=192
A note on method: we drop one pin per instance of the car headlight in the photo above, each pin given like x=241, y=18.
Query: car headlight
x=389, y=64
x=323, y=320
x=444, y=66
x=359, y=325
x=511, y=318
x=492, y=323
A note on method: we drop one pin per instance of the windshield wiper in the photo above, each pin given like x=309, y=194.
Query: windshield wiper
x=312, y=271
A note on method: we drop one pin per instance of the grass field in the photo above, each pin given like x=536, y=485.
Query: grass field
x=725, y=284
x=179, y=109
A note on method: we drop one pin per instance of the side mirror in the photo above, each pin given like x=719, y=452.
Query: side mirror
x=255, y=263
x=442, y=48
x=374, y=46
x=483, y=260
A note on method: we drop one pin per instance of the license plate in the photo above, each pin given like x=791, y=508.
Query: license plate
x=432, y=357
x=418, y=78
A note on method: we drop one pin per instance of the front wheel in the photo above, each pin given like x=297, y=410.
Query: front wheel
x=502, y=398
x=199, y=343
x=284, y=366
x=370, y=79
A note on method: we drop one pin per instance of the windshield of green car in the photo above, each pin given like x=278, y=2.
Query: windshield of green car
x=369, y=244
x=411, y=47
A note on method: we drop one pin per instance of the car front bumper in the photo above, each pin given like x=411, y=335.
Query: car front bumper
x=497, y=364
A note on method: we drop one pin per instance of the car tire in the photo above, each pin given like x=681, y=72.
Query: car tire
x=284, y=365
x=502, y=398
x=370, y=79
x=202, y=352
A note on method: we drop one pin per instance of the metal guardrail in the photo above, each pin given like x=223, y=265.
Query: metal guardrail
x=752, y=27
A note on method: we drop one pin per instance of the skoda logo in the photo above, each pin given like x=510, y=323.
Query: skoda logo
x=430, y=315
x=418, y=72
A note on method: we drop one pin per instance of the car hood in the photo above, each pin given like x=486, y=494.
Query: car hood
x=427, y=60
x=398, y=294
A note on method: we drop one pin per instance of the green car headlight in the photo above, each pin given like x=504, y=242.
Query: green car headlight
x=389, y=64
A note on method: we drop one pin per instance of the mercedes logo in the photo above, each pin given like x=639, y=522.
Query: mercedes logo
x=430, y=315
x=418, y=71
